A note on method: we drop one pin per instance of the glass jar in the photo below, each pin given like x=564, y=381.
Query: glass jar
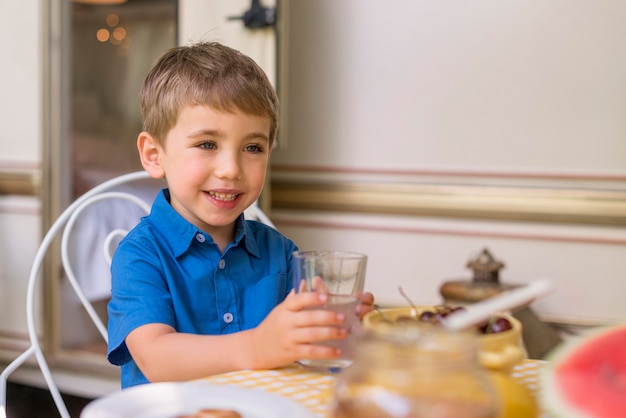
x=405, y=371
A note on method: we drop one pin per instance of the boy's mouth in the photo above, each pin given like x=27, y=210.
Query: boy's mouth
x=226, y=197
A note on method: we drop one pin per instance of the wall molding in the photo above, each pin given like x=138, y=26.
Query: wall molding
x=19, y=183
x=556, y=199
x=449, y=227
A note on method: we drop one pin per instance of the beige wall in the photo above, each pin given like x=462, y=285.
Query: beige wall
x=463, y=125
x=21, y=100
x=208, y=20
x=485, y=86
x=20, y=142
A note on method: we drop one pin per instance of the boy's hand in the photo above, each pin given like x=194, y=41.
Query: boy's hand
x=318, y=285
x=367, y=303
x=292, y=329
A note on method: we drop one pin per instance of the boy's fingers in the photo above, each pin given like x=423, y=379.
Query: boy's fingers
x=319, y=285
x=367, y=298
x=299, y=301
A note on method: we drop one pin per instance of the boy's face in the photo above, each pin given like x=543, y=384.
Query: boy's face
x=214, y=163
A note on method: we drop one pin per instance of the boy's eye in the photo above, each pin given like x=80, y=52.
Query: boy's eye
x=207, y=145
x=253, y=148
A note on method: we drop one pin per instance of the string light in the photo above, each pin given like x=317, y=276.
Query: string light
x=116, y=35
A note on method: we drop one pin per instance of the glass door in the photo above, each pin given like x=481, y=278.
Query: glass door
x=113, y=48
x=100, y=52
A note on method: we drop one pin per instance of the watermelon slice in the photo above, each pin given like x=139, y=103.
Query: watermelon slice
x=585, y=377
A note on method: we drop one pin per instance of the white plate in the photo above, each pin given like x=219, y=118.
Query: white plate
x=170, y=400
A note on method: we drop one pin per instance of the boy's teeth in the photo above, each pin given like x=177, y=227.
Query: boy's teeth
x=223, y=196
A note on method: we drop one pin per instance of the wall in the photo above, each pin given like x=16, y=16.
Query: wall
x=420, y=132
x=482, y=85
x=20, y=103
x=21, y=120
x=209, y=21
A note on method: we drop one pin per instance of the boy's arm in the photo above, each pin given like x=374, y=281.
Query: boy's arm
x=287, y=334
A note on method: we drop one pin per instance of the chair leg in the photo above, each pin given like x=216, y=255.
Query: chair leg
x=5, y=375
x=45, y=370
x=54, y=390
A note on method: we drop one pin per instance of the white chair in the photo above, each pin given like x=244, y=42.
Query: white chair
x=255, y=213
x=64, y=227
x=114, y=190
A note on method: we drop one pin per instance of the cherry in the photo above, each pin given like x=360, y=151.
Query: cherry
x=498, y=324
x=434, y=316
x=427, y=316
x=441, y=316
x=457, y=308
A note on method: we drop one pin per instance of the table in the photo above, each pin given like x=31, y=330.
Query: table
x=314, y=390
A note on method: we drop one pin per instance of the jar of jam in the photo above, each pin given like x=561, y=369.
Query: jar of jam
x=405, y=371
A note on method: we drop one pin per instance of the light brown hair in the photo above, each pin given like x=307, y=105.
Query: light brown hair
x=206, y=73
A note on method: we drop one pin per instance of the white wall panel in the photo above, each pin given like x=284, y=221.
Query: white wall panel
x=480, y=85
x=208, y=20
x=513, y=93
x=587, y=265
x=21, y=98
x=20, y=229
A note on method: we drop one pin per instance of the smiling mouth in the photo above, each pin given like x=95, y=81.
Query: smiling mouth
x=225, y=197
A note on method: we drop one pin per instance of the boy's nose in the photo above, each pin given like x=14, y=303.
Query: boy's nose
x=228, y=166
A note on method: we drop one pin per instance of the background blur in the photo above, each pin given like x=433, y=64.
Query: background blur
x=417, y=132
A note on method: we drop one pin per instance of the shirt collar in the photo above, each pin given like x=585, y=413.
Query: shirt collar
x=245, y=237
x=180, y=233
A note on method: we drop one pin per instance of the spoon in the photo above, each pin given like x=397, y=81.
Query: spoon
x=408, y=299
x=480, y=312
x=381, y=312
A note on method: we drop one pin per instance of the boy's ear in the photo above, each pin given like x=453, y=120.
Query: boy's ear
x=150, y=155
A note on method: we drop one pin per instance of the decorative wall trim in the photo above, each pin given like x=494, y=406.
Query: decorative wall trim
x=19, y=183
x=310, y=170
x=555, y=199
x=448, y=227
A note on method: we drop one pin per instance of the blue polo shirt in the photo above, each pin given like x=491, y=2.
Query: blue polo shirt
x=167, y=271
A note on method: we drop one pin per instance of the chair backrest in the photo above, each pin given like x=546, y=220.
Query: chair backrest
x=89, y=230
x=75, y=228
x=254, y=212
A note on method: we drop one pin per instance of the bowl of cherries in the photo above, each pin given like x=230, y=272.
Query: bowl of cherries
x=500, y=338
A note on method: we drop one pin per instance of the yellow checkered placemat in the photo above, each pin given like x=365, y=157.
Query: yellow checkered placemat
x=311, y=389
x=314, y=390
x=527, y=374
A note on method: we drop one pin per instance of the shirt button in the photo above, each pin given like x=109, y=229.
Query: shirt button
x=228, y=317
x=221, y=264
x=200, y=237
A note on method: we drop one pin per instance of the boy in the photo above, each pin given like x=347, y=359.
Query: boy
x=196, y=289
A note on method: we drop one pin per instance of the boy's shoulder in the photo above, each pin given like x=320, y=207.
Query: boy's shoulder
x=142, y=233
x=265, y=234
x=255, y=227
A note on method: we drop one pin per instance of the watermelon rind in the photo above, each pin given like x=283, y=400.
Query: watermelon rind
x=551, y=397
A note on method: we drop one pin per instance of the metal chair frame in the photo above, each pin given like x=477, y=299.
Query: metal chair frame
x=64, y=224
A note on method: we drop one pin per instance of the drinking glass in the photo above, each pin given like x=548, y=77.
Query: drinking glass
x=341, y=274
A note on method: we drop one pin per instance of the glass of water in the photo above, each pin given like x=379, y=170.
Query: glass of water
x=341, y=274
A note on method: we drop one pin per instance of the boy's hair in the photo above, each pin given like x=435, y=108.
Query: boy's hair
x=206, y=73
